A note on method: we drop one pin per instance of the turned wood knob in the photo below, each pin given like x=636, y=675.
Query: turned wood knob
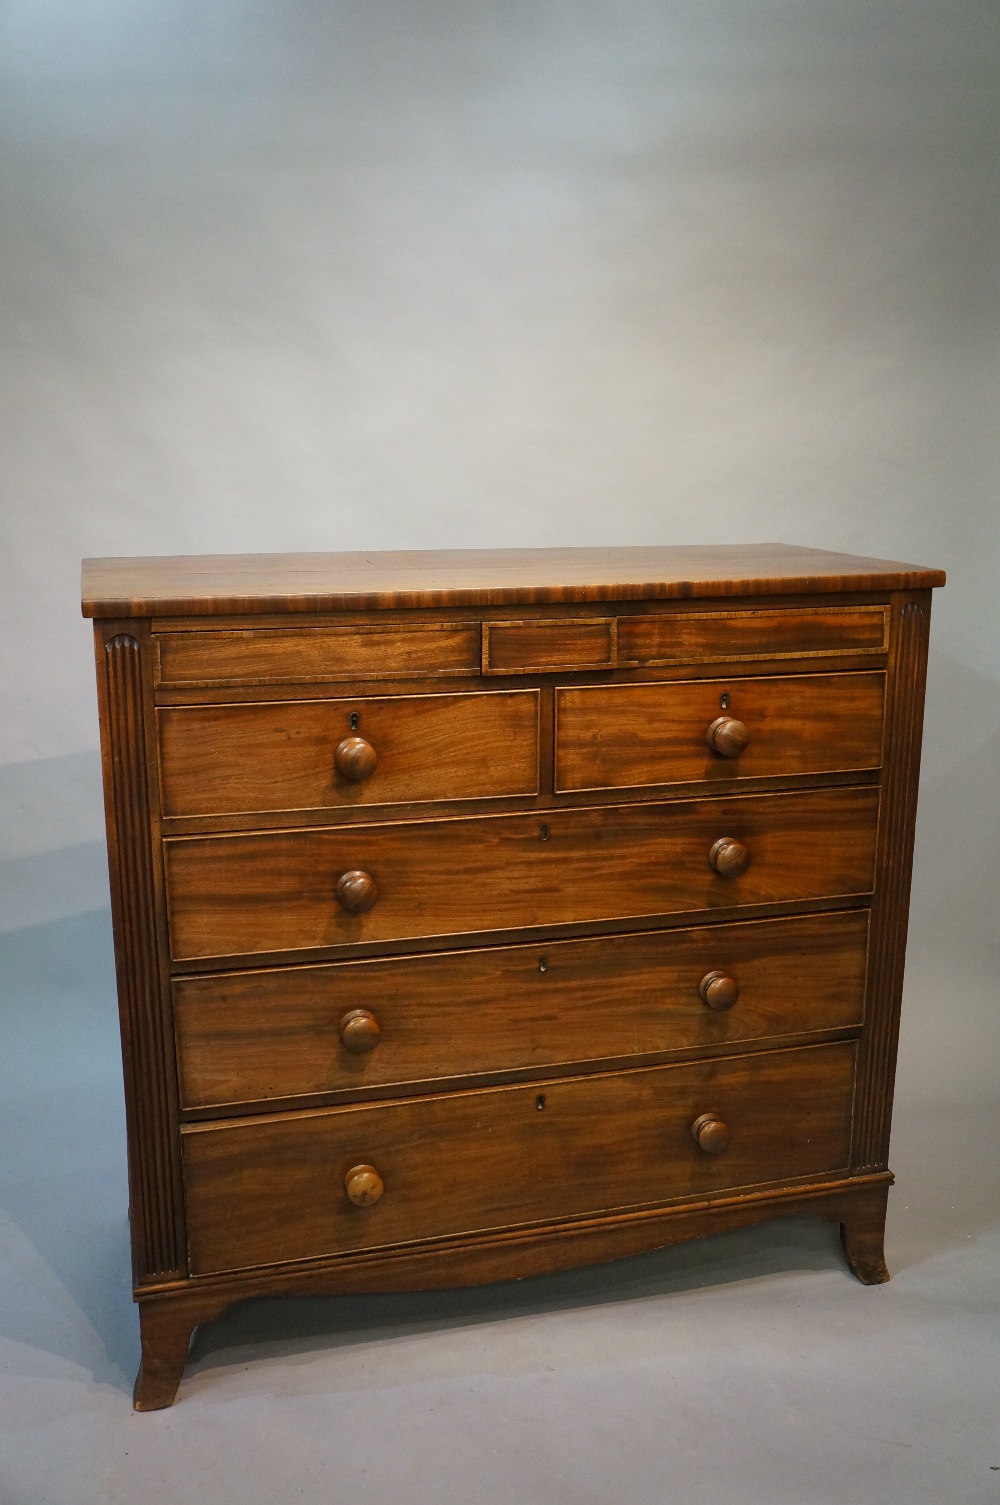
x=710, y=1133
x=363, y=1185
x=357, y=891
x=719, y=991
x=729, y=857
x=360, y=1031
x=355, y=759
x=727, y=736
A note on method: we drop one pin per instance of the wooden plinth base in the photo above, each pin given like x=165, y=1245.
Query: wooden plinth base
x=168, y=1315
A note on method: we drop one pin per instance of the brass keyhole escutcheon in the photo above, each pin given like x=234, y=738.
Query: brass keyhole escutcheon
x=543, y=964
x=544, y=834
x=540, y=1102
x=354, y=721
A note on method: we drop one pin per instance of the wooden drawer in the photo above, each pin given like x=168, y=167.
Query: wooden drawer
x=250, y=1036
x=277, y=891
x=272, y=1189
x=304, y=655
x=537, y=646
x=614, y=736
x=280, y=755
x=778, y=632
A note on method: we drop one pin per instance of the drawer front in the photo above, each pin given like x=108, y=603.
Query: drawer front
x=262, y=656
x=276, y=891
x=282, y=755
x=533, y=647
x=249, y=1036
x=780, y=632
x=272, y=1190
x=616, y=736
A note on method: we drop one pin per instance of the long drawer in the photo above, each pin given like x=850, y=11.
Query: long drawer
x=306, y=654
x=330, y=754
x=246, y=894
x=614, y=736
x=274, y=1189
x=250, y=1036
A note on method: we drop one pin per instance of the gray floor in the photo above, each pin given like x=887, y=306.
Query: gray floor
x=747, y=1368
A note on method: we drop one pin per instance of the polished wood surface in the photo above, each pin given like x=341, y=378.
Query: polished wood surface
x=225, y=759
x=316, y=654
x=785, y=632
x=711, y=1133
x=277, y=891
x=890, y=909
x=727, y=736
x=262, y=1190
x=170, y=1314
x=719, y=991
x=359, y=1031
x=862, y=1237
x=381, y=1031
x=137, y=910
x=235, y=584
x=245, y=1037
x=357, y=891
x=728, y=857
x=363, y=1185
x=627, y=735
x=355, y=759
x=165, y=1331
x=531, y=647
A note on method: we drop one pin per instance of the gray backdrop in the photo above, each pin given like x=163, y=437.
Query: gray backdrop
x=284, y=274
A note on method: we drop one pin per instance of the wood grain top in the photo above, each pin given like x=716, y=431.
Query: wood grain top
x=233, y=584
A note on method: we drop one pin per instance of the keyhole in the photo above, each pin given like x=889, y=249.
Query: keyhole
x=544, y=833
x=543, y=964
x=724, y=700
x=540, y=1101
x=354, y=721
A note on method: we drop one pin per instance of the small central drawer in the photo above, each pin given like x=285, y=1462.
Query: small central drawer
x=323, y=754
x=616, y=736
x=275, y=1189
x=250, y=1036
x=537, y=646
x=274, y=891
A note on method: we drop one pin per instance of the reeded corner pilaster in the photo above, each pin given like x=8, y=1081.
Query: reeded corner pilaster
x=138, y=913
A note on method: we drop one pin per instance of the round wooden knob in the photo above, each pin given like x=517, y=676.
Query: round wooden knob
x=360, y=1031
x=710, y=1133
x=363, y=1185
x=719, y=991
x=729, y=857
x=357, y=891
x=727, y=736
x=355, y=759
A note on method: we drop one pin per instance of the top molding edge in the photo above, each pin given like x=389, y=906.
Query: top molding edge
x=251, y=584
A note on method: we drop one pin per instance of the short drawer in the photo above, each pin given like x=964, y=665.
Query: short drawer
x=246, y=1037
x=615, y=736
x=272, y=1190
x=245, y=894
x=306, y=655
x=323, y=754
x=534, y=647
x=774, y=633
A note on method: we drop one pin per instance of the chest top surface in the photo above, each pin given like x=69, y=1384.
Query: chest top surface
x=236, y=584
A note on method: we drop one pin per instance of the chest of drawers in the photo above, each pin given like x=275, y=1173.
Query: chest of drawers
x=479, y=914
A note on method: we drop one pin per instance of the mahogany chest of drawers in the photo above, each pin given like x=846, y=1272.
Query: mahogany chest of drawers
x=482, y=914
